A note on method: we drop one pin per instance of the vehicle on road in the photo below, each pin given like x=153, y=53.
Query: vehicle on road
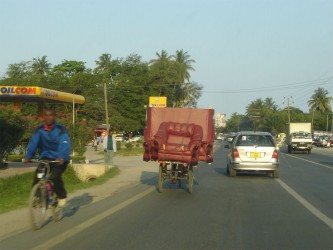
x=43, y=198
x=220, y=137
x=324, y=141
x=119, y=137
x=178, y=138
x=136, y=138
x=231, y=136
x=298, y=137
x=253, y=151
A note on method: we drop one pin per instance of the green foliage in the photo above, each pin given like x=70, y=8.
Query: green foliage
x=15, y=190
x=14, y=158
x=11, y=129
x=129, y=145
x=80, y=133
x=264, y=115
x=78, y=158
x=129, y=81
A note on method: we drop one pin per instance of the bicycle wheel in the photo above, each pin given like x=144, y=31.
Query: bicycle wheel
x=37, y=206
x=57, y=212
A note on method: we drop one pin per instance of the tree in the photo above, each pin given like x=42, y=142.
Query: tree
x=320, y=101
x=40, y=66
x=18, y=70
x=104, y=67
x=183, y=66
x=70, y=67
x=11, y=129
x=192, y=91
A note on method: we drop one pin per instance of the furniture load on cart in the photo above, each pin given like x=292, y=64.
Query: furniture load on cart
x=178, y=138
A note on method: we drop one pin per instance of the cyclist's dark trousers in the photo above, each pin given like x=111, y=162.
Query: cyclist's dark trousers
x=56, y=177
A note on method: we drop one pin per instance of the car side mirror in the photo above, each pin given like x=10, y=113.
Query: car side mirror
x=226, y=146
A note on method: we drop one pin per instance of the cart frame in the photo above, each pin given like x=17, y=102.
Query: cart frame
x=176, y=172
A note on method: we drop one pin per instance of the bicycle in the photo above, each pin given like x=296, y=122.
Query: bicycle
x=42, y=197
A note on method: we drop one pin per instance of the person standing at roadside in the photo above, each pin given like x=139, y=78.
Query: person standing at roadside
x=110, y=147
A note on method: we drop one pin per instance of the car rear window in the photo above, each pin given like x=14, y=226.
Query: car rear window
x=255, y=140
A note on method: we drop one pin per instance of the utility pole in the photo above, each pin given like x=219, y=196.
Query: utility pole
x=288, y=102
x=106, y=106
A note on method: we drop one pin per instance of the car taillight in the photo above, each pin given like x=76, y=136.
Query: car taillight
x=275, y=154
x=236, y=154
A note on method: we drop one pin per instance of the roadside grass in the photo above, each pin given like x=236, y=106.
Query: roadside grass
x=126, y=152
x=15, y=190
x=129, y=152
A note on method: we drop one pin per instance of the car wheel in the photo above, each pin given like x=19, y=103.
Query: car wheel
x=276, y=173
x=232, y=172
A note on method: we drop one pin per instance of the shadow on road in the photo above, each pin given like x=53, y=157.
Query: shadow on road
x=150, y=178
x=76, y=203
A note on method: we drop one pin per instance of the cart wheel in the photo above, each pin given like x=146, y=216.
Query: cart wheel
x=190, y=180
x=160, y=179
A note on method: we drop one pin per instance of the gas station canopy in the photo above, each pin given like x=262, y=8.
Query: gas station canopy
x=37, y=94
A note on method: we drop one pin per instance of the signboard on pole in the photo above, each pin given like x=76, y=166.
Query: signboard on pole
x=158, y=101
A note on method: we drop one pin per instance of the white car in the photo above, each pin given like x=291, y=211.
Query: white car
x=135, y=138
x=119, y=137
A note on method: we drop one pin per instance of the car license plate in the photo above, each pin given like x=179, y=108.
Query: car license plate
x=255, y=155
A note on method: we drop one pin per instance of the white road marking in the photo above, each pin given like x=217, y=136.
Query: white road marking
x=319, y=164
x=328, y=221
x=79, y=228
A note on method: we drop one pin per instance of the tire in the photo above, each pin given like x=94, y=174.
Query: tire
x=190, y=180
x=232, y=172
x=160, y=179
x=57, y=212
x=37, y=206
x=276, y=173
x=180, y=183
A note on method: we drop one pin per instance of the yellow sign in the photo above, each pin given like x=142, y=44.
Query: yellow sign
x=19, y=90
x=158, y=101
x=38, y=93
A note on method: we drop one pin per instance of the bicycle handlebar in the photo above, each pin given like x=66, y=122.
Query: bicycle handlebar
x=42, y=161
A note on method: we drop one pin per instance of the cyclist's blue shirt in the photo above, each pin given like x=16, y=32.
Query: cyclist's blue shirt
x=52, y=143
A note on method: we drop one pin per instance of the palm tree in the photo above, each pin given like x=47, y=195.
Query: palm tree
x=40, y=66
x=254, y=112
x=183, y=66
x=192, y=92
x=270, y=104
x=162, y=61
x=320, y=101
x=104, y=66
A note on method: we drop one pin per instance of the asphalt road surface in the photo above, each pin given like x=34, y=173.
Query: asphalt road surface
x=250, y=211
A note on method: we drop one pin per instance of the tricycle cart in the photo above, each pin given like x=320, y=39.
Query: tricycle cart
x=175, y=172
x=178, y=138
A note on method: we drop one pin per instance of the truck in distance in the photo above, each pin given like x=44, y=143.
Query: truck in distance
x=298, y=137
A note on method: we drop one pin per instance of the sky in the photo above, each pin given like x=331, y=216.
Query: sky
x=244, y=49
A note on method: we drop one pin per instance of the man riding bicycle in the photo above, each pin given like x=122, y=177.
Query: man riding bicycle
x=53, y=144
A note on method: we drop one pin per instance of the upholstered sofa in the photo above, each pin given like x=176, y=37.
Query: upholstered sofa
x=176, y=142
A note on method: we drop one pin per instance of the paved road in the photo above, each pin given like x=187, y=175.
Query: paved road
x=248, y=211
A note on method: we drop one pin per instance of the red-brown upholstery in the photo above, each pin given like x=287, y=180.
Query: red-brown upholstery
x=177, y=142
